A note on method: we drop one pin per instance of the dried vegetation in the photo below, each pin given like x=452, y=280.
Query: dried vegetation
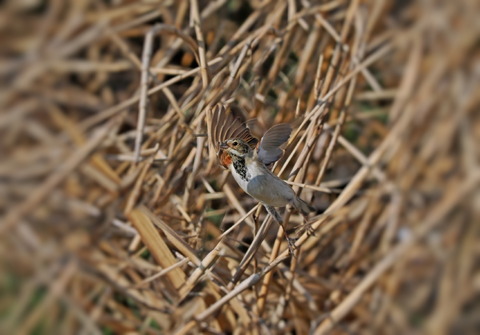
x=116, y=218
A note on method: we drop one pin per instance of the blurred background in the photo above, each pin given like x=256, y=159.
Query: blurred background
x=115, y=217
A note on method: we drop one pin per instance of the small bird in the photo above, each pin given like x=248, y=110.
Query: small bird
x=248, y=160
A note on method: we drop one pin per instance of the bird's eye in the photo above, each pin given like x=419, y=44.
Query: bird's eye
x=235, y=143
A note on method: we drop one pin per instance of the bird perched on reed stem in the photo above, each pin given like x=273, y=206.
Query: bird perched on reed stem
x=248, y=160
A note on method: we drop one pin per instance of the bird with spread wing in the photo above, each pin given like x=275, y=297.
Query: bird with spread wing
x=248, y=160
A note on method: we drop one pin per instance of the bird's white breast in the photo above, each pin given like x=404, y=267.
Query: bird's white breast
x=243, y=182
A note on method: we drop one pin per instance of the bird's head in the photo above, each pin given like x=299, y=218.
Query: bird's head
x=236, y=147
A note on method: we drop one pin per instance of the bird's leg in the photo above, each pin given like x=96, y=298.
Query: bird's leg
x=276, y=215
x=306, y=227
x=303, y=209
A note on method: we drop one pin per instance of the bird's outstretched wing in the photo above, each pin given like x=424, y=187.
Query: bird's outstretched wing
x=223, y=125
x=269, y=148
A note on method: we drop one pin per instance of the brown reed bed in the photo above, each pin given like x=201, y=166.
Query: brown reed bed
x=116, y=218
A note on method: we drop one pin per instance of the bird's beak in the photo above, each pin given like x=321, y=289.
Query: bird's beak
x=223, y=145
